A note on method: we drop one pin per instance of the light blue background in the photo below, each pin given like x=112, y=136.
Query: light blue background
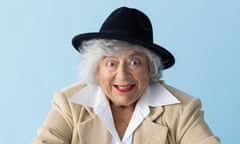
x=36, y=56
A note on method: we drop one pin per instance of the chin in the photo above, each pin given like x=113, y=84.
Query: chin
x=123, y=104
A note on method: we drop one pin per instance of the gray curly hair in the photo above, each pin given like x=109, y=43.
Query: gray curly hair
x=93, y=50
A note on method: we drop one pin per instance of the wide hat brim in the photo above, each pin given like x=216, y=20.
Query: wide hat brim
x=131, y=25
x=167, y=58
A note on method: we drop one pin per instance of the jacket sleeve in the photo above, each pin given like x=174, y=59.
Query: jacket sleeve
x=192, y=128
x=57, y=128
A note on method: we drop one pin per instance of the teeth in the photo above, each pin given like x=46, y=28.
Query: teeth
x=124, y=87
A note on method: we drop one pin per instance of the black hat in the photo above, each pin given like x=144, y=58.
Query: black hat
x=131, y=25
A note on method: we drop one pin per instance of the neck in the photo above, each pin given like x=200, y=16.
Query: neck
x=122, y=116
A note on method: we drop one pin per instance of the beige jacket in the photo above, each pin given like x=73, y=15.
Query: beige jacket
x=69, y=123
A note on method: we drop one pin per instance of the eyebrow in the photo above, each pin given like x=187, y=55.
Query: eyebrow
x=137, y=54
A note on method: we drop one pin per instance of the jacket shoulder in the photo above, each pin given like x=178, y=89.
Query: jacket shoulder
x=70, y=90
x=179, y=94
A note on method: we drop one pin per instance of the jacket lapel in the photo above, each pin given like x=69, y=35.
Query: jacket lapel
x=150, y=132
x=93, y=131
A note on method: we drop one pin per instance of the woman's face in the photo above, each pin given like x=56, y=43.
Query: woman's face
x=124, y=77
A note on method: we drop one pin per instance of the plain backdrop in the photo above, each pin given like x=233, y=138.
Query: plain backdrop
x=37, y=58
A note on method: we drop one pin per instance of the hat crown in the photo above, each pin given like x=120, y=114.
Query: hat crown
x=128, y=22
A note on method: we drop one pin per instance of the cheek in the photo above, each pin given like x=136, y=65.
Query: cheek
x=142, y=75
x=143, y=80
x=104, y=76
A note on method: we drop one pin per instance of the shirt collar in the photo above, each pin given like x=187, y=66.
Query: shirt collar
x=93, y=96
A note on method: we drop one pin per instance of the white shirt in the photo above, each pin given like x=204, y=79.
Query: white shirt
x=92, y=96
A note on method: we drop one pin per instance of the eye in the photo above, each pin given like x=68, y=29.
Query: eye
x=110, y=64
x=135, y=62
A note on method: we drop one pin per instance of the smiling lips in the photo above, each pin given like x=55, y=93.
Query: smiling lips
x=124, y=88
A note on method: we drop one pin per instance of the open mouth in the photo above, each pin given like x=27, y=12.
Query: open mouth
x=124, y=88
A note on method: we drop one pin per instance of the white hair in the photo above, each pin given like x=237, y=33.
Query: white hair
x=93, y=50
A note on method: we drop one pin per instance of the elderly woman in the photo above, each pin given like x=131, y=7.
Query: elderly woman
x=120, y=99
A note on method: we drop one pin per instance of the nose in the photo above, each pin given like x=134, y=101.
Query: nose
x=123, y=72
